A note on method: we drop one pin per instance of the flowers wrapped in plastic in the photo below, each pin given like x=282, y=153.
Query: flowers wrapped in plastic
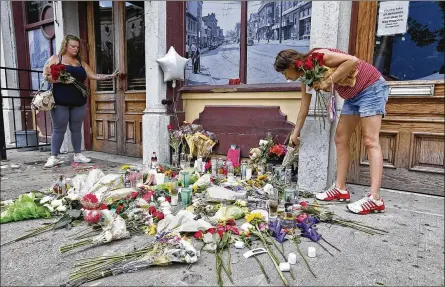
x=166, y=249
x=114, y=228
x=25, y=207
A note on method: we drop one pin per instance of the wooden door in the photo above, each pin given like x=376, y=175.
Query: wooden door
x=116, y=41
x=412, y=132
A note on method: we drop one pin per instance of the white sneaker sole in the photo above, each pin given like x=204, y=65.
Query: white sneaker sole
x=374, y=211
x=55, y=164
x=341, y=200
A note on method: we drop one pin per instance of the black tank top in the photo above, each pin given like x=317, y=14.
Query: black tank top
x=68, y=94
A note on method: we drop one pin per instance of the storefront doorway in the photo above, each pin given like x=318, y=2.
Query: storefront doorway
x=116, y=39
x=412, y=133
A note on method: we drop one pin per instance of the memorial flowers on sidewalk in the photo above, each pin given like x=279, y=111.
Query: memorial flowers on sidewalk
x=257, y=220
x=165, y=250
x=216, y=240
x=114, y=228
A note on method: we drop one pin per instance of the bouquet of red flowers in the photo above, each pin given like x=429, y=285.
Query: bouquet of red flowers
x=58, y=73
x=277, y=151
x=313, y=71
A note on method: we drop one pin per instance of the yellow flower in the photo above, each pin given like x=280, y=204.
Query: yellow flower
x=152, y=229
x=262, y=177
x=253, y=215
x=195, y=188
x=125, y=167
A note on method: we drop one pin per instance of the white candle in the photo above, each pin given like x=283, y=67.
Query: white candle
x=284, y=267
x=248, y=173
x=311, y=252
x=174, y=200
x=292, y=258
x=239, y=245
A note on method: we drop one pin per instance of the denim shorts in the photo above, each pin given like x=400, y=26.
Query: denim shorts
x=369, y=102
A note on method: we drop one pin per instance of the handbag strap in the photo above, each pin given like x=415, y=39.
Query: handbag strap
x=41, y=86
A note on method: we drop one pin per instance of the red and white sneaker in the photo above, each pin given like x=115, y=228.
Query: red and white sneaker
x=334, y=193
x=367, y=205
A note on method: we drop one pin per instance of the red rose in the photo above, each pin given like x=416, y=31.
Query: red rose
x=220, y=231
x=103, y=206
x=304, y=204
x=198, y=234
x=211, y=230
x=308, y=64
x=159, y=215
x=119, y=209
x=230, y=222
x=233, y=229
x=298, y=64
x=208, y=165
x=319, y=58
x=90, y=198
x=134, y=194
x=301, y=217
x=151, y=210
x=168, y=199
x=169, y=127
x=147, y=196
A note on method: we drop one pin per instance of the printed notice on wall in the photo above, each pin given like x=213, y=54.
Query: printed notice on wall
x=393, y=17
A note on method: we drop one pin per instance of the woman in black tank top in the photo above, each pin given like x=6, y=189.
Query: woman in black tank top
x=70, y=102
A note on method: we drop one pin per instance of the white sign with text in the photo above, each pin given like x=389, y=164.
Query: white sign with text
x=393, y=18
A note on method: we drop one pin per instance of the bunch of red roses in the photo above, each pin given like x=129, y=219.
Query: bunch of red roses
x=313, y=68
x=90, y=202
x=58, y=72
x=220, y=229
x=157, y=215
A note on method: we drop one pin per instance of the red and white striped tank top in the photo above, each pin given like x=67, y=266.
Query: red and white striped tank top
x=366, y=76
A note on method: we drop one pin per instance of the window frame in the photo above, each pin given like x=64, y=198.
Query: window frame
x=176, y=15
x=364, y=19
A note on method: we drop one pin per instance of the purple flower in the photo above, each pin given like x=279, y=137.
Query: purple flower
x=276, y=228
x=312, y=234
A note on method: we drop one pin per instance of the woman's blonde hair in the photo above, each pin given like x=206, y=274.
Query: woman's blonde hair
x=64, y=43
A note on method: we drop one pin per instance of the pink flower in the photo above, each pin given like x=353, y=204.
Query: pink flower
x=304, y=204
x=301, y=217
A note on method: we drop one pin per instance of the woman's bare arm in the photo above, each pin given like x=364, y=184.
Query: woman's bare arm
x=47, y=70
x=98, y=77
x=343, y=62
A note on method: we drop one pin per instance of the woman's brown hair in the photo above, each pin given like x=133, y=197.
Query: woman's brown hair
x=286, y=58
x=64, y=43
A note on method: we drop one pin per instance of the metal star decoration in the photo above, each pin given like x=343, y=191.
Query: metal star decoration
x=173, y=66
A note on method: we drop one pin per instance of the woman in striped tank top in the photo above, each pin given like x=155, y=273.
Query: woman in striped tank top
x=364, y=102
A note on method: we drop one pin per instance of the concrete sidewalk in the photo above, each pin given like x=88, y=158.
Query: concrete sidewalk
x=412, y=253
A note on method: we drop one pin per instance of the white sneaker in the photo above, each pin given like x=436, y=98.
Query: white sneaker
x=80, y=158
x=367, y=205
x=52, y=161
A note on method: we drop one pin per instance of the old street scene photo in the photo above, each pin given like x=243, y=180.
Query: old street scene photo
x=222, y=143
